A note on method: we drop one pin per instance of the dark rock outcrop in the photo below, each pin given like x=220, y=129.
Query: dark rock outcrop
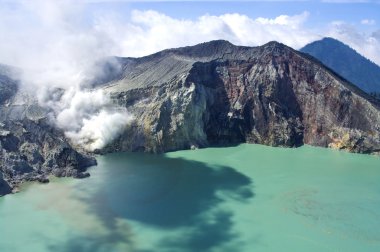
x=30, y=147
x=4, y=186
x=213, y=93
x=219, y=94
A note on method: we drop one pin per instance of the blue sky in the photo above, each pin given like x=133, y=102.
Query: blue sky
x=135, y=28
x=321, y=12
x=58, y=43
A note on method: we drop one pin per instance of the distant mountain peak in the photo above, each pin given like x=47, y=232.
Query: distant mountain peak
x=347, y=62
x=331, y=39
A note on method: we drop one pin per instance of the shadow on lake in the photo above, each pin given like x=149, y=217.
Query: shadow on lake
x=165, y=194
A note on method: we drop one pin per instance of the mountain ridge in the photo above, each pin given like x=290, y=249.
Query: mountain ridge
x=346, y=62
x=211, y=94
x=233, y=51
x=163, y=71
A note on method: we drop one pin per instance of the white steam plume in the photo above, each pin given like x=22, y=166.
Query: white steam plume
x=90, y=121
x=58, y=51
x=57, y=44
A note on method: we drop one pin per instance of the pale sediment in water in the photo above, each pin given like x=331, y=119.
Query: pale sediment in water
x=244, y=198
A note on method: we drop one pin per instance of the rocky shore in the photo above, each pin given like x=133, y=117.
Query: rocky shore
x=210, y=94
x=31, y=147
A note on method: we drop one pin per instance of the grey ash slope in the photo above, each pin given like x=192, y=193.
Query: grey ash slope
x=163, y=66
x=213, y=93
x=30, y=147
x=346, y=62
x=216, y=93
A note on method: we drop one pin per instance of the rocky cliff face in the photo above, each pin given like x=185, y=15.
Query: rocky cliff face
x=213, y=93
x=30, y=147
x=219, y=94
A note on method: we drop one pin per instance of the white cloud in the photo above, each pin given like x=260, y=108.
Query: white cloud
x=56, y=48
x=55, y=33
x=368, y=22
x=58, y=45
x=292, y=21
x=366, y=44
x=151, y=31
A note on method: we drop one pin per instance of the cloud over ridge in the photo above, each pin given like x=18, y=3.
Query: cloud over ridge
x=58, y=45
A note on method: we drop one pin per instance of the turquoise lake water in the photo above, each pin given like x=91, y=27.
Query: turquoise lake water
x=249, y=198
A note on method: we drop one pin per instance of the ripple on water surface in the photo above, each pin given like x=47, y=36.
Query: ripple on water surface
x=244, y=198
